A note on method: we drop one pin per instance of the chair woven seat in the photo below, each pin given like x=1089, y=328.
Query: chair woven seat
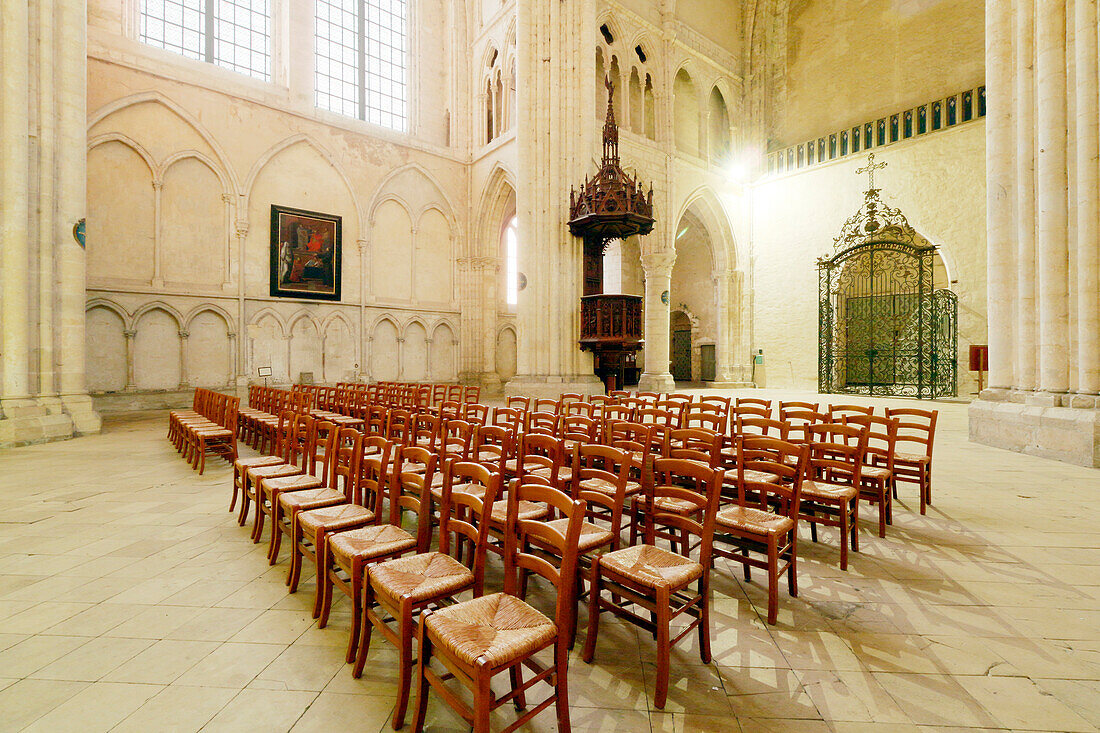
x=592, y=536
x=499, y=628
x=607, y=488
x=876, y=472
x=290, y=483
x=652, y=566
x=474, y=489
x=512, y=465
x=332, y=518
x=911, y=458
x=310, y=499
x=565, y=473
x=214, y=431
x=761, y=477
x=675, y=506
x=256, y=461
x=821, y=491
x=758, y=521
x=527, y=510
x=274, y=470
x=368, y=542
x=420, y=577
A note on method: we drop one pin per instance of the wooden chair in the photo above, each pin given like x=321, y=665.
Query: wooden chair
x=917, y=428
x=399, y=427
x=703, y=419
x=311, y=525
x=543, y=457
x=546, y=404
x=602, y=479
x=377, y=418
x=660, y=416
x=467, y=636
x=493, y=446
x=426, y=431
x=658, y=580
x=830, y=493
x=349, y=554
x=574, y=429
x=471, y=394
x=765, y=518
x=318, y=474
x=301, y=444
x=398, y=591
x=754, y=402
x=876, y=484
x=284, y=434
x=587, y=409
x=521, y=404
x=507, y=417
x=792, y=406
x=799, y=421
x=539, y=421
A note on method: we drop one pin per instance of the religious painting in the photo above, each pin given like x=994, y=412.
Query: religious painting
x=305, y=254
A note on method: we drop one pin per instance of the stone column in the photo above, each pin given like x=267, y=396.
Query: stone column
x=556, y=145
x=130, y=334
x=1051, y=180
x=184, y=382
x=1001, y=196
x=1044, y=383
x=656, y=376
x=231, y=367
x=158, y=244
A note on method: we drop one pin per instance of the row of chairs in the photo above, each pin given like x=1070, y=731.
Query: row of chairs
x=209, y=427
x=762, y=513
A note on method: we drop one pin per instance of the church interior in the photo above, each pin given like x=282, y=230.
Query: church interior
x=598, y=351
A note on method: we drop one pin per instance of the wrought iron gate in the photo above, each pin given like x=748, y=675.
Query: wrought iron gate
x=883, y=329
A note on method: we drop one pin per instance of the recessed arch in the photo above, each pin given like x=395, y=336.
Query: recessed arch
x=209, y=308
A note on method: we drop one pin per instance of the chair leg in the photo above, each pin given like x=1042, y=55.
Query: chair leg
x=236, y=487
x=276, y=533
x=405, y=665
x=663, y=650
x=704, y=620
x=362, y=647
x=320, y=553
x=295, y=557
x=844, y=536
x=242, y=516
x=593, y=612
x=515, y=675
x=424, y=646
x=792, y=569
x=853, y=524
x=773, y=580
x=561, y=693
x=483, y=696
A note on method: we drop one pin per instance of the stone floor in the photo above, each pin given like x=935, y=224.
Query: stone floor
x=131, y=601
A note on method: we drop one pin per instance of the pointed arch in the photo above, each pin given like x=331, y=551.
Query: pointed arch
x=712, y=215
x=212, y=308
x=223, y=177
x=155, y=171
x=110, y=305
x=384, y=191
x=498, y=204
x=159, y=305
x=158, y=98
x=290, y=142
x=272, y=314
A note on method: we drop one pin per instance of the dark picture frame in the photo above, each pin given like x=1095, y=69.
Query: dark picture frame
x=305, y=254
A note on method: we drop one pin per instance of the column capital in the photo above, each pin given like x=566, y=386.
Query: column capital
x=157, y=184
x=185, y=334
x=129, y=334
x=241, y=226
x=231, y=335
x=362, y=244
x=227, y=198
x=659, y=262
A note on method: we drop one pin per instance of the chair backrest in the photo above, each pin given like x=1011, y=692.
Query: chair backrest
x=752, y=411
x=518, y=532
x=545, y=451
x=791, y=406
x=399, y=426
x=605, y=463
x=493, y=446
x=476, y=413
x=471, y=394
x=882, y=437
x=319, y=450
x=690, y=481
x=378, y=454
x=286, y=434
x=546, y=404
x=617, y=411
x=522, y=404
x=426, y=430
x=458, y=440
x=836, y=453
x=618, y=394
x=439, y=393
x=376, y=420
x=696, y=444
x=467, y=513
x=694, y=418
x=345, y=467
x=671, y=414
x=798, y=423
x=305, y=440
x=414, y=469
x=508, y=417
x=450, y=410
x=757, y=426
x=754, y=402
x=566, y=397
x=588, y=409
x=837, y=413
x=916, y=426
x=784, y=460
x=454, y=393
x=598, y=399
x=542, y=422
x=579, y=428
x=637, y=437
x=718, y=401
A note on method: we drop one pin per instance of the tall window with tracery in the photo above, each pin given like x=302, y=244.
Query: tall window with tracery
x=235, y=34
x=362, y=60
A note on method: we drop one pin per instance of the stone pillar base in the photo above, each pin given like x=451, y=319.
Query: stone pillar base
x=25, y=422
x=552, y=385
x=656, y=383
x=81, y=410
x=1062, y=427
x=490, y=383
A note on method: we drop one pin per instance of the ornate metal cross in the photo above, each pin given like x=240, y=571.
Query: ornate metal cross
x=870, y=169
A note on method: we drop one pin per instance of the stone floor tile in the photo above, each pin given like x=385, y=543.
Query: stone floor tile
x=261, y=710
x=177, y=708
x=98, y=707
x=162, y=662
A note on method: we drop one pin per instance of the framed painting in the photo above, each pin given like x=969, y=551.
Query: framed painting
x=305, y=254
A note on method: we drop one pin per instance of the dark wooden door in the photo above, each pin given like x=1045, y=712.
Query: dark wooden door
x=681, y=356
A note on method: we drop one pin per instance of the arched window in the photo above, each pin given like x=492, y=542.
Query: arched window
x=511, y=262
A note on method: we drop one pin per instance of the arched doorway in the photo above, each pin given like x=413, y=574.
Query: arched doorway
x=680, y=346
x=887, y=322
